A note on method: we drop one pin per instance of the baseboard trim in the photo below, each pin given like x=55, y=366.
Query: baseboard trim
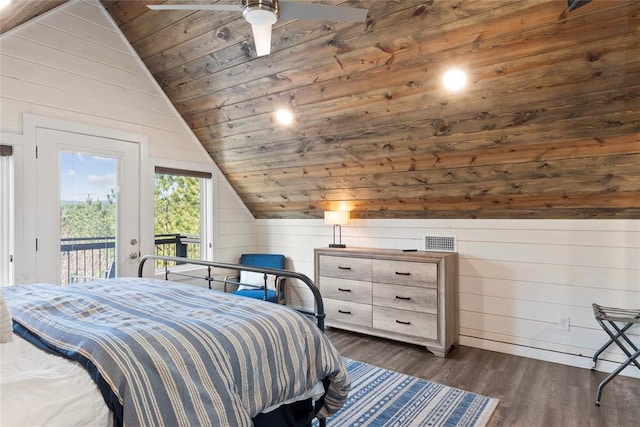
x=546, y=355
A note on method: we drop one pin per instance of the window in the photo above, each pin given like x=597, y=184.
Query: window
x=182, y=213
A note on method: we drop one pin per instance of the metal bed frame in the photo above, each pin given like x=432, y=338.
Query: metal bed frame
x=609, y=319
x=318, y=314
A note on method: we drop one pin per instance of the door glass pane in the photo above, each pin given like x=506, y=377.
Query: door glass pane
x=87, y=216
x=177, y=216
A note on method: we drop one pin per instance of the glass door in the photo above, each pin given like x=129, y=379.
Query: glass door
x=87, y=207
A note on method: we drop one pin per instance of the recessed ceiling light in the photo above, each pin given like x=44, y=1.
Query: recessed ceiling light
x=454, y=79
x=284, y=116
x=4, y=3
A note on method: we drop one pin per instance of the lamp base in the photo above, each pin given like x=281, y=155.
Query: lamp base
x=337, y=245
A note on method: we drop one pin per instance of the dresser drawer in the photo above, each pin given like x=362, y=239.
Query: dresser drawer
x=422, y=325
x=347, y=312
x=345, y=290
x=406, y=297
x=345, y=267
x=405, y=273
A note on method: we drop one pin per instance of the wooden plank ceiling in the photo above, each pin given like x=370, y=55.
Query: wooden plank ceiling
x=548, y=126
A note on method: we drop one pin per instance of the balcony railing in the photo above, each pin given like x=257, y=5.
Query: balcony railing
x=85, y=258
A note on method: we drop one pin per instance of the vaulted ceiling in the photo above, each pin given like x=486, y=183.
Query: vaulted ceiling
x=547, y=127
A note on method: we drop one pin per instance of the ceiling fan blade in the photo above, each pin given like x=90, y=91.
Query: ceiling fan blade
x=262, y=39
x=231, y=8
x=320, y=12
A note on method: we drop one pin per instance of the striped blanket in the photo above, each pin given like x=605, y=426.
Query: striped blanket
x=175, y=354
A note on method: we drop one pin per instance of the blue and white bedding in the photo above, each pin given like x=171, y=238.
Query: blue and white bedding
x=174, y=354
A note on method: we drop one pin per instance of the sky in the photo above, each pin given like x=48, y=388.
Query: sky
x=83, y=175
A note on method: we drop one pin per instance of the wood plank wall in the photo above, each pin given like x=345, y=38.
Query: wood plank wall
x=548, y=127
x=517, y=277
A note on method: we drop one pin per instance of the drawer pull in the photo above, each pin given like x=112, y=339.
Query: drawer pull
x=403, y=298
x=399, y=273
x=344, y=312
x=403, y=323
x=344, y=290
x=343, y=268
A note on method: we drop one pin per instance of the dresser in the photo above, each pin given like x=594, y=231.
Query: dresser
x=404, y=296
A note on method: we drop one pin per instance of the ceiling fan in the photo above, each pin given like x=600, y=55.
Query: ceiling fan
x=262, y=14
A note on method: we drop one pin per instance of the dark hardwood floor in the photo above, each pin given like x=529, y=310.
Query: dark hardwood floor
x=531, y=392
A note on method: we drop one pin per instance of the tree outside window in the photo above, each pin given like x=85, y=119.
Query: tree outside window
x=178, y=210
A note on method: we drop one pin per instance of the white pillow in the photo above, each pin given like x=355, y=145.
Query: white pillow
x=6, y=324
x=257, y=279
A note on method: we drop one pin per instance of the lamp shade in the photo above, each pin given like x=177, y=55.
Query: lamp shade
x=336, y=217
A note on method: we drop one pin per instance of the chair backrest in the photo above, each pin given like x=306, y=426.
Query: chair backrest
x=276, y=261
x=263, y=260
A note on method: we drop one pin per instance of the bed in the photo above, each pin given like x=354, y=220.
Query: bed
x=160, y=352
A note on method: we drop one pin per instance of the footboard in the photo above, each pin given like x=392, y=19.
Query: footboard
x=318, y=313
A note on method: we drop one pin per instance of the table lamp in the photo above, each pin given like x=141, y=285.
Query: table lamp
x=337, y=219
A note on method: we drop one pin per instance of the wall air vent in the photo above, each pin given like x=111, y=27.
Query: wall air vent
x=440, y=243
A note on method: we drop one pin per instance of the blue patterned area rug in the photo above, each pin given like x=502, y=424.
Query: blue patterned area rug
x=380, y=397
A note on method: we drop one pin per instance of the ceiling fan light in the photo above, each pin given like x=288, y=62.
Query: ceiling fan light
x=262, y=39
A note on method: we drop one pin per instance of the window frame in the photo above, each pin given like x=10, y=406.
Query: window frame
x=207, y=176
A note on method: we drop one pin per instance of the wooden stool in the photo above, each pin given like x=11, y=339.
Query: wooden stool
x=609, y=318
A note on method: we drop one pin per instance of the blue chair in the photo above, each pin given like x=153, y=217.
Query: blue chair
x=259, y=285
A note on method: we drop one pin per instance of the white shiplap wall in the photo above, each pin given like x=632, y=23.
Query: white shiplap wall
x=74, y=64
x=517, y=277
